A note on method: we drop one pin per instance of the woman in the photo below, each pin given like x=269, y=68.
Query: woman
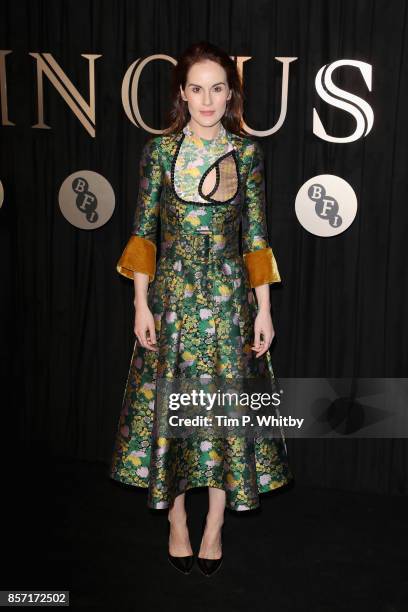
x=200, y=180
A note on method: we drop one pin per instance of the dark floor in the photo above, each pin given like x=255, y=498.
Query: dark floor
x=306, y=549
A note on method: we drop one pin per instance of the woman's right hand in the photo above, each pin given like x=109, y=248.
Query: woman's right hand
x=144, y=327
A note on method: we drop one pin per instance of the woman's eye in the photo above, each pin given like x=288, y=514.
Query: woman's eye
x=197, y=89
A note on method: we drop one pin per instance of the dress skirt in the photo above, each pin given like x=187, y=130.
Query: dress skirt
x=204, y=311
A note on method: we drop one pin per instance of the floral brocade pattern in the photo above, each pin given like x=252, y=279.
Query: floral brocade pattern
x=204, y=311
x=195, y=157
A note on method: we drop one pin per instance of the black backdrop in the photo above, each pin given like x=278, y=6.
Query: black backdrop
x=341, y=308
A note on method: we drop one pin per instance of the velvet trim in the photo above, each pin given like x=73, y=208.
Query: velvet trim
x=139, y=255
x=262, y=267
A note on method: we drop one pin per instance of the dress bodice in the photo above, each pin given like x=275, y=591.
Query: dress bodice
x=209, y=196
x=193, y=179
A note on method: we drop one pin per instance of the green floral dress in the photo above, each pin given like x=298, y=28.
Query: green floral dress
x=203, y=193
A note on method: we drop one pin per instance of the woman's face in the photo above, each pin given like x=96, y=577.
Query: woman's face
x=206, y=90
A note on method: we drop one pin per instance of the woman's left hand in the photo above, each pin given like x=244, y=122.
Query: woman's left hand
x=263, y=325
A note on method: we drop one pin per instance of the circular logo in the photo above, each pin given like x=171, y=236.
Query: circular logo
x=326, y=205
x=86, y=199
x=1, y=194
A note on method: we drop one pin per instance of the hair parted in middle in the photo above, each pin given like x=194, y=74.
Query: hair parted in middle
x=179, y=115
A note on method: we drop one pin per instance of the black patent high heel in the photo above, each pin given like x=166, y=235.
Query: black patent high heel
x=183, y=564
x=209, y=566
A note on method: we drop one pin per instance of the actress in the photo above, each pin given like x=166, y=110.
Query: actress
x=203, y=307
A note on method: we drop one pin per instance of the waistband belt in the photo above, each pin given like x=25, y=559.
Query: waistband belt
x=201, y=243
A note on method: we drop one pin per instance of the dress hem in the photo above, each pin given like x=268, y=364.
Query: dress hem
x=275, y=485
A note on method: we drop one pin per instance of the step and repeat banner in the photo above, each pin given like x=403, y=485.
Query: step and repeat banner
x=83, y=85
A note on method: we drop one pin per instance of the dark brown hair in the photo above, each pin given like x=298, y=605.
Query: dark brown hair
x=178, y=115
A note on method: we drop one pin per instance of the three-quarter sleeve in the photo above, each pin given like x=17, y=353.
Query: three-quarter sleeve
x=139, y=254
x=258, y=255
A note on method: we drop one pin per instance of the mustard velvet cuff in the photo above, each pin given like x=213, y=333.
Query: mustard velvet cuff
x=139, y=256
x=262, y=267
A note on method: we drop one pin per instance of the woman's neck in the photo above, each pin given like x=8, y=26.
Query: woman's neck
x=209, y=133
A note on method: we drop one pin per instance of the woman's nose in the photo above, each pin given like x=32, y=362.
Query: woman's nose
x=207, y=98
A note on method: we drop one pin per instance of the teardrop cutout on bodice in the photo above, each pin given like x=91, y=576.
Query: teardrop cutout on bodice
x=220, y=182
